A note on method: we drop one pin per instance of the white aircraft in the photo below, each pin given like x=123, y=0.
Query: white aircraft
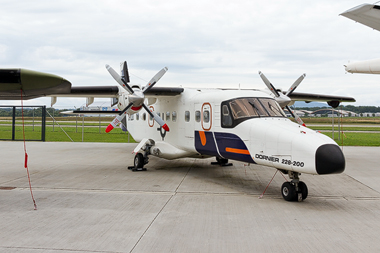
x=242, y=125
x=369, y=15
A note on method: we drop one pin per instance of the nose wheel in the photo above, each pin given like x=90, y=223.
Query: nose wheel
x=294, y=190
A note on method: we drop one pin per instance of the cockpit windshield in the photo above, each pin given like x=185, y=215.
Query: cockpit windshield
x=237, y=110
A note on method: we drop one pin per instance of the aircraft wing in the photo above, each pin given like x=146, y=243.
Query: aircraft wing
x=33, y=84
x=164, y=91
x=331, y=100
x=90, y=91
x=38, y=84
x=366, y=14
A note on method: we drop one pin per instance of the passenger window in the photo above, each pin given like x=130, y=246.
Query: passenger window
x=167, y=116
x=187, y=116
x=137, y=116
x=144, y=116
x=174, y=116
x=197, y=116
x=206, y=116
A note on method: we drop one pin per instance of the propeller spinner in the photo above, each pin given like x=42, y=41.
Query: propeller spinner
x=136, y=98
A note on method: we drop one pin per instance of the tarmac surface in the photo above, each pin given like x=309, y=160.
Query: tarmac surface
x=88, y=201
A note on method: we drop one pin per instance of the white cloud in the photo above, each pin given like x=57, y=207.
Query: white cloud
x=214, y=43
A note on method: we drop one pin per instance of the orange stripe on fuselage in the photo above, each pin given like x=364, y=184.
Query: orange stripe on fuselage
x=237, y=151
x=203, y=137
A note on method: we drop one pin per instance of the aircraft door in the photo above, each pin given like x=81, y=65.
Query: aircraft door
x=206, y=116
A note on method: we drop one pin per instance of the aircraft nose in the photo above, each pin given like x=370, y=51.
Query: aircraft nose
x=329, y=159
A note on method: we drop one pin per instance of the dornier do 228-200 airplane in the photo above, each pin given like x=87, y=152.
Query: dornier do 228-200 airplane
x=172, y=122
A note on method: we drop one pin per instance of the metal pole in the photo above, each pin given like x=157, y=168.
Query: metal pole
x=332, y=123
x=43, y=123
x=13, y=122
x=76, y=123
x=53, y=118
x=339, y=122
x=33, y=119
x=83, y=128
x=99, y=123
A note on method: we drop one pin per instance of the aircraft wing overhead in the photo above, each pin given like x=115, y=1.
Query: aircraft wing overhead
x=332, y=100
x=366, y=14
x=164, y=91
x=91, y=91
x=113, y=91
x=33, y=84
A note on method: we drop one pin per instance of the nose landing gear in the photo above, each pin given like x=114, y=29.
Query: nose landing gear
x=294, y=190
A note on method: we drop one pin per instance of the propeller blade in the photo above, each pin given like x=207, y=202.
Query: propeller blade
x=295, y=85
x=114, y=123
x=295, y=116
x=124, y=72
x=117, y=119
x=118, y=79
x=155, y=79
x=157, y=118
x=268, y=84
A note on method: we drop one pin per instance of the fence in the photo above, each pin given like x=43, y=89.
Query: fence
x=12, y=124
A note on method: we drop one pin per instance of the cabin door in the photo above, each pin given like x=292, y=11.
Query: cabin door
x=206, y=117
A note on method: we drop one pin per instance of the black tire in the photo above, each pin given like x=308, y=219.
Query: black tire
x=222, y=161
x=139, y=161
x=303, y=189
x=288, y=191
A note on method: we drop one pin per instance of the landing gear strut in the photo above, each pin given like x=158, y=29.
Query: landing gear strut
x=294, y=190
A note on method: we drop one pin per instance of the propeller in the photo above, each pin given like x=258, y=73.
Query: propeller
x=283, y=99
x=136, y=97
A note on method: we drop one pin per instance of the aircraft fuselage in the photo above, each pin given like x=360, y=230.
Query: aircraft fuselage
x=242, y=125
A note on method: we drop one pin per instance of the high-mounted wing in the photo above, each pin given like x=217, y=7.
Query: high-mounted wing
x=164, y=91
x=32, y=83
x=366, y=14
x=331, y=100
x=96, y=91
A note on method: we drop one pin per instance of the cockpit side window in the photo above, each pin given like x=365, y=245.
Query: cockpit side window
x=226, y=116
x=272, y=107
x=247, y=107
x=257, y=106
x=237, y=110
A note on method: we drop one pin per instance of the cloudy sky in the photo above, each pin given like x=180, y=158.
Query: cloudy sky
x=203, y=43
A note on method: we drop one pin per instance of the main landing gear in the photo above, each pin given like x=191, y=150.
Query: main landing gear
x=221, y=161
x=294, y=190
x=140, y=160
